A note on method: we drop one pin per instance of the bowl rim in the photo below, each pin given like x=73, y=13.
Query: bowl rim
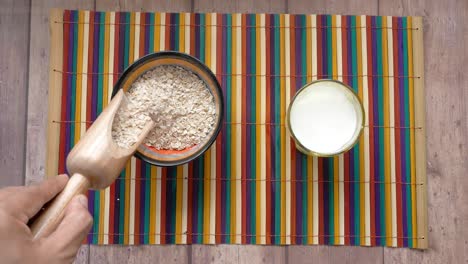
x=307, y=151
x=197, y=63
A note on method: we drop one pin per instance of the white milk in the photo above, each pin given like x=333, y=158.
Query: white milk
x=324, y=119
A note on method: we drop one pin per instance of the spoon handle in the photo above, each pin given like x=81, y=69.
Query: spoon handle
x=49, y=218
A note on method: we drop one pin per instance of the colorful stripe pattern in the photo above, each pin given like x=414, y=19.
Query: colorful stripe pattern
x=253, y=186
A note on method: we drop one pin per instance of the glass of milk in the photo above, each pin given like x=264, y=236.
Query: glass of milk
x=325, y=118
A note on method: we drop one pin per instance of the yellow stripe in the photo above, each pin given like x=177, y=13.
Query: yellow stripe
x=207, y=185
x=132, y=176
x=285, y=88
x=334, y=55
x=136, y=49
x=238, y=128
x=336, y=199
x=181, y=32
x=234, y=169
x=84, y=65
x=178, y=212
x=263, y=183
x=152, y=212
x=258, y=134
x=412, y=139
x=157, y=236
x=388, y=201
x=184, y=204
x=79, y=69
x=111, y=56
x=157, y=32
x=213, y=149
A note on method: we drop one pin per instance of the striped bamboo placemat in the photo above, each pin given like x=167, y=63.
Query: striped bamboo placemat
x=252, y=186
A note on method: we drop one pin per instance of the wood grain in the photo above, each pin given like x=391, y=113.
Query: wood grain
x=138, y=254
x=14, y=39
x=38, y=83
x=82, y=256
x=222, y=254
x=445, y=56
x=262, y=254
x=308, y=254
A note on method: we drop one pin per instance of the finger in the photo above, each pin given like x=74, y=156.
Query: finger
x=73, y=229
x=25, y=203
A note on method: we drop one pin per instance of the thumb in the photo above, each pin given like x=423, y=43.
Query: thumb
x=74, y=227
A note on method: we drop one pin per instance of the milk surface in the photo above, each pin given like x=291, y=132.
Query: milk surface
x=323, y=118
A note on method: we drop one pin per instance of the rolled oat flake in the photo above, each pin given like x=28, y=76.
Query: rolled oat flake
x=183, y=107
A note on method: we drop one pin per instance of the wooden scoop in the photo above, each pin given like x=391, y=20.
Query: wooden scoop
x=94, y=162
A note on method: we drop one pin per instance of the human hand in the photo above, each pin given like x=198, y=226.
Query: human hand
x=19, y=204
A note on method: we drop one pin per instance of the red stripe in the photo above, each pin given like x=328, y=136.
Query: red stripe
x=268, y=135
x=244, y=132
x=167, y=41
x=138, y=208
x=371, y=132
x=398, y=168
x=344, y=37
x=142, y=34
x=292, y=64
x=163, y=204
x=63, y=110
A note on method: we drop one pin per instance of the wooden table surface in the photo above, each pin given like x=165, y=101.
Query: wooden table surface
x=24, y=60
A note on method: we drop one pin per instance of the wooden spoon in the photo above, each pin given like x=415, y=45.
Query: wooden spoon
x=95, y=162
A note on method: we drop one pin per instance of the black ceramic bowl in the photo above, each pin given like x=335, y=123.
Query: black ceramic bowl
x=149, y=62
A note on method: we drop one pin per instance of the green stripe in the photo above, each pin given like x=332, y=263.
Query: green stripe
x=277, y=144
x=228, y=120
x=121, y=199
x=202, y=38
x=74, y=79
x=407, y=132
x=151, y=33
x=253, y=129
x=127, y=40
x=381, y=134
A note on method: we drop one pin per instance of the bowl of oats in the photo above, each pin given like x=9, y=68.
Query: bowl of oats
x=182, y=96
